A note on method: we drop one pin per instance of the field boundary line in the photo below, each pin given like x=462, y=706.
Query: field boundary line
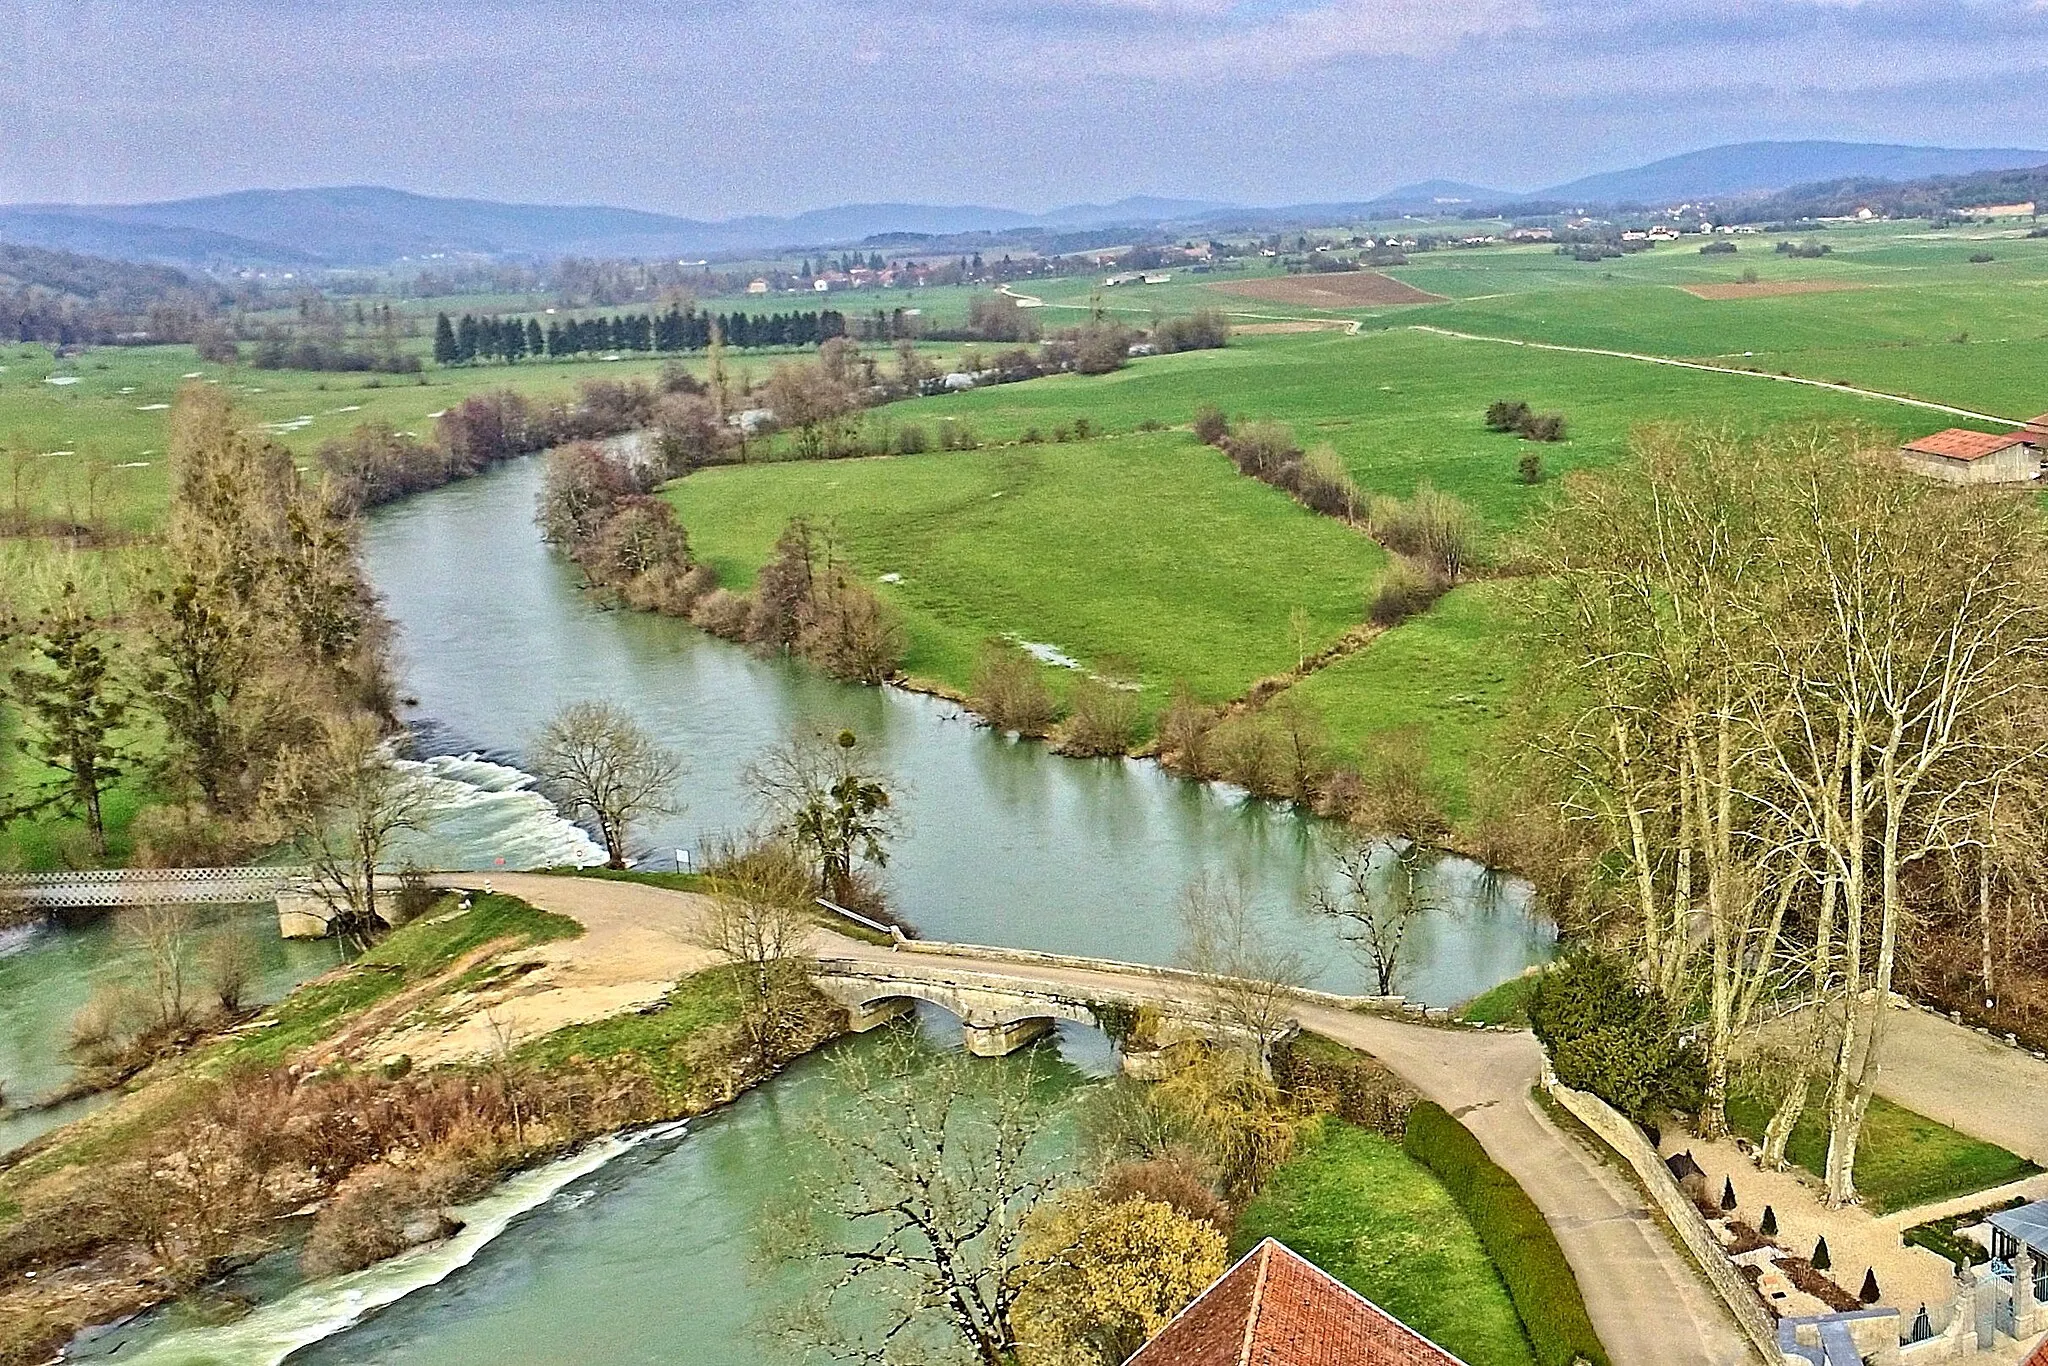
x=1721, y=370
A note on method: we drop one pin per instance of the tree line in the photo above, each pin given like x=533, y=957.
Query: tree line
x=255, y=644
x=475, y=338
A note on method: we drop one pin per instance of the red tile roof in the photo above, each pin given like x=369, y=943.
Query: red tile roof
x=2035, y=425
x=1958, y=443
x=2040, y=1356
x=1275, y=1308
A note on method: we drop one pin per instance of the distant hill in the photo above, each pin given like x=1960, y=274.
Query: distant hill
x=1763, y=167
x=368, y=225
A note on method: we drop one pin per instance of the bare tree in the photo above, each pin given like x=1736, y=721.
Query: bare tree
x=598, y=765
x=164, y=933
x=341, y=801
x=1249, y=977
x=1373, y=914
x=760, y=923
x=922, y=1202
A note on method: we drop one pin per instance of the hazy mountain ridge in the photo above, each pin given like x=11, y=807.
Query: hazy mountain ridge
x=371, y=225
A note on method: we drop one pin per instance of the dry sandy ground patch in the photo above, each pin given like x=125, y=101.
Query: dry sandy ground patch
x=1342, y=289
x=1768, y=289
x=637, y=942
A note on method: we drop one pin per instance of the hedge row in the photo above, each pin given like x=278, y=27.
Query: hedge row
x=1539, y=1279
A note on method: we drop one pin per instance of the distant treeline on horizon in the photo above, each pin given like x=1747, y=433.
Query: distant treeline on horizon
x=679, y=329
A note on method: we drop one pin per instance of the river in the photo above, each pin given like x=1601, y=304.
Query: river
x=643, y=1255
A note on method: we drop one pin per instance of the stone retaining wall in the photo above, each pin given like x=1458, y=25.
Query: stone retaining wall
x=1620, y=1134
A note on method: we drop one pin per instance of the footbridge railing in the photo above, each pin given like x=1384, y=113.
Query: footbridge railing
x=114, y=888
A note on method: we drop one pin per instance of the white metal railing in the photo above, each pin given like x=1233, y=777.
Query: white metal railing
x=106, y=887
x=895, y=932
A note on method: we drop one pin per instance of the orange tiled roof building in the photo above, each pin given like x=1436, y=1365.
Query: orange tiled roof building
x=1276, y=1308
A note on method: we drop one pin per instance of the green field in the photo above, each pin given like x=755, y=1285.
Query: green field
x=1144, y=556
x=1905, y=1160
x=1361, y=1209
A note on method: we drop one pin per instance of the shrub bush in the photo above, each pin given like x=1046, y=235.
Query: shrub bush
x=1325, y=486
x=1184, y=732
x=1506, y=415
x=1540, y=1281
x=1979, y=258
x=1326, y=1078
x=1104, y=719
x=1609, y=1034
x=1211, y=426
x=1201, y=330
x=1431, y=527
x=1404, y=590
x=1009, y=692
x=1547, y=427
x=911, y=439
x=1530, y=468
x=1262, y=448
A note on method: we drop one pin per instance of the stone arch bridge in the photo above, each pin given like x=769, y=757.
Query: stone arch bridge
x=1006, y=998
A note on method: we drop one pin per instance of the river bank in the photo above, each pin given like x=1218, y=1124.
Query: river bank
x=314, y=1106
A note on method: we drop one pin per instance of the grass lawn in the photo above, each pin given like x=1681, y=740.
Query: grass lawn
x=1448, y=672
x=1357, y=1206
x=1506, y=1004
x=656, y=1040
x=1903, y=1161
x=1146, y=555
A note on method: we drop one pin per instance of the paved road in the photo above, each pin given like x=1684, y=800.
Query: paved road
x=1649, y=1305
x=1966, y=1081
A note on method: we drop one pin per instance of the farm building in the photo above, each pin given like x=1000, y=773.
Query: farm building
x=1960, y=456
x=1276, y=1308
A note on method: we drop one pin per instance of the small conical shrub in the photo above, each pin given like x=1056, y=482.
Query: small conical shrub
x=1869, y=1293
x=1820, y=1259
x=1769, y=1227
x=1727, y=1195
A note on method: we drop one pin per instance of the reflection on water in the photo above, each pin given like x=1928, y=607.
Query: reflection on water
x=1006, y=843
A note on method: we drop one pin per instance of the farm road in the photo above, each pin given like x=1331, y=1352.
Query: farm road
x=1650, y=1306
x=1719, y=370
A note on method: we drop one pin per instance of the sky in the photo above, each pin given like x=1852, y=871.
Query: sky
x=714, y=108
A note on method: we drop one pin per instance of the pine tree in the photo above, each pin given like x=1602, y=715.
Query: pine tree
x=1870, y=1294
x=1820, y=1259
x=444, y=341
x=512, y=341
x=1727, y=1195
x=68, y=699
x=466, y=335
x=1769, y=1227
x=536, y=341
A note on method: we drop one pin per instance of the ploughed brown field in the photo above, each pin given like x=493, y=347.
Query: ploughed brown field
x=1344, y=289
x=1290, y=326
x=1765, y=289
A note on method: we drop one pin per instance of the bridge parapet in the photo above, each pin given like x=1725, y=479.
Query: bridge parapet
x=1000, y=1012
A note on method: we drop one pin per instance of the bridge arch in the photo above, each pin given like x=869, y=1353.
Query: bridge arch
x=993, y=1023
